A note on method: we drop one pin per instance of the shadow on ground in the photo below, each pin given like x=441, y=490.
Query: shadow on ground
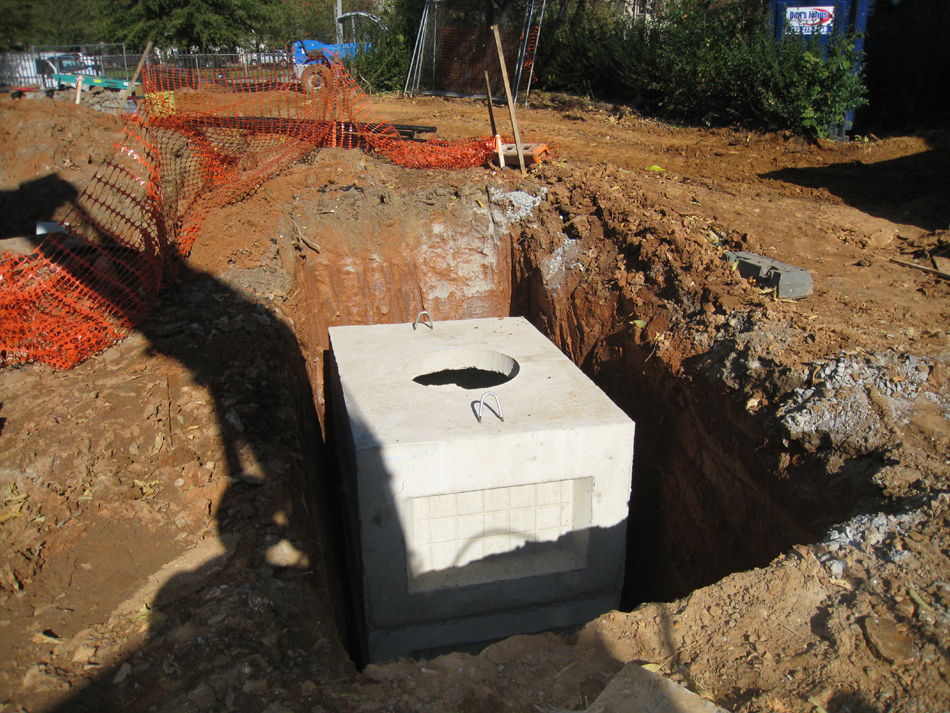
x=259, y=597
x=911, y=190
x=33, y=201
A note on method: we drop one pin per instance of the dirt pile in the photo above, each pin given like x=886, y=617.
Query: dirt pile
x=46, y=157
x=807, y=439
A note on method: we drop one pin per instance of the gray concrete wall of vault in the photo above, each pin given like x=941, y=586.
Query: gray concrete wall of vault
x=466, y=531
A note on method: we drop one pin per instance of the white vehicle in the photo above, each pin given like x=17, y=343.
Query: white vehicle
x=265, y=57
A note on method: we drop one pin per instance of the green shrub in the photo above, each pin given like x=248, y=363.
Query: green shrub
x=710, y=63
x=574, y=51
x=804, y=89
x=381, y=62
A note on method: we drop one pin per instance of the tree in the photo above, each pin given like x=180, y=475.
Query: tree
x=192, y=24
x=85, y=23
x=16, y=28
x=303, y=19
x=43, y=23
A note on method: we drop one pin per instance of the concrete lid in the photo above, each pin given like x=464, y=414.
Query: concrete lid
x=377, y=363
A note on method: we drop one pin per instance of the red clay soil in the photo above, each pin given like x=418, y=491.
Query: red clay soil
x=165, y=505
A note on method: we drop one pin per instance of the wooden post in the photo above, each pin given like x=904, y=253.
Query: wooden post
x=491, y=109
x=78, y=88
x=494, y=128
x=339, y=27
x=922, y=268
x=511, y=106
x=138, y=70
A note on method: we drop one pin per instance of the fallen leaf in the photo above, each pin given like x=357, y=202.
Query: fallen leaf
x=912, y=592
x=11, y=513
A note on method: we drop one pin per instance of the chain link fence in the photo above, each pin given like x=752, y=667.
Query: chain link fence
x=38, y=66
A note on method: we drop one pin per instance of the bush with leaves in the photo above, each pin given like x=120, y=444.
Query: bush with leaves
x=710, y=63
x=696, y=58
x=382, y=56
x=574, y=53
x=807, y=88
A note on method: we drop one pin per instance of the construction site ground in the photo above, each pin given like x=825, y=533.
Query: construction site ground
x=167, y=512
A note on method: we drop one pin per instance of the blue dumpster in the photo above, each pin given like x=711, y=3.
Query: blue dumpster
x=823, y=20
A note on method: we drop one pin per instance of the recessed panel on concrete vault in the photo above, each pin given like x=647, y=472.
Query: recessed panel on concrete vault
x=465, y=531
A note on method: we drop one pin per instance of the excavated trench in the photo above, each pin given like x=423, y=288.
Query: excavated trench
x=714, y=488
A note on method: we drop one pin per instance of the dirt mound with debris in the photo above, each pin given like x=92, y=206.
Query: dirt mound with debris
x=168, y=505
x=47, y=157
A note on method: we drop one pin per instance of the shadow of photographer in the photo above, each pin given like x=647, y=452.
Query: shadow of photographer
x=266, y=562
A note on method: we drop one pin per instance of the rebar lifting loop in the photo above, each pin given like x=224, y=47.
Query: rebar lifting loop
x=481, y=404
x=419, y=316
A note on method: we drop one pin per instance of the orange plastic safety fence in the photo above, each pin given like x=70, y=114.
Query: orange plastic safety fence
x=86, y=284
x=203, y=139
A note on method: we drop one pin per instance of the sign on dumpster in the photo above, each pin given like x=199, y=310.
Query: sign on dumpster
x=810, y=20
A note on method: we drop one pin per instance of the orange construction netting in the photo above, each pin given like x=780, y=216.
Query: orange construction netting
x=201, y=139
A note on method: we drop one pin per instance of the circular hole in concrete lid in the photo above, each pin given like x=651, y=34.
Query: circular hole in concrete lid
x=469, y=368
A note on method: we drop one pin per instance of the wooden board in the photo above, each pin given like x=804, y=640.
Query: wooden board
x=942, y=263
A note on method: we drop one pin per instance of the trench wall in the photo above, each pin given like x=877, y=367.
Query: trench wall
x=716, y=488
x=700, y=508
x=709, y=496
x=457, y=265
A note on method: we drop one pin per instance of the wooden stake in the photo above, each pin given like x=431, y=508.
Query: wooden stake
x=491, y=109
x=138, y=70
x=928, y=270
x=494, y=128
x=78, y=88
x=511, y=105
